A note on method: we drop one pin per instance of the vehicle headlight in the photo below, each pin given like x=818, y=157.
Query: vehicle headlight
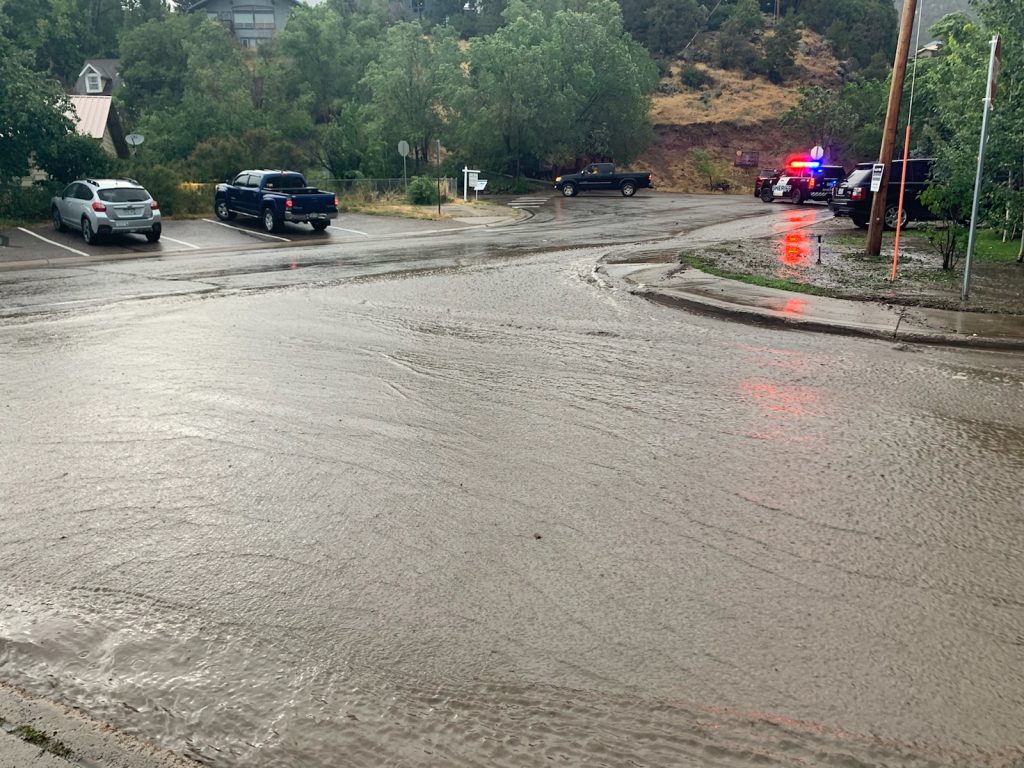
x=558, y=179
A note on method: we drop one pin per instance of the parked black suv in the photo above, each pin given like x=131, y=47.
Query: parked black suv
x=853, y=196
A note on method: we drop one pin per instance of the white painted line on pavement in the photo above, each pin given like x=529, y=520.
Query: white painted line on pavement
x=52, y=242
x=354, y=231
x=246, y=231
x=180, y=242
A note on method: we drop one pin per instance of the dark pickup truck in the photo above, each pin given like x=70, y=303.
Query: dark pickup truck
x=275, y=197
x=603, y=176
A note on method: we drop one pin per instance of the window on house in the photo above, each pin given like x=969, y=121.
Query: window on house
x=254, y=18
x=93, y=83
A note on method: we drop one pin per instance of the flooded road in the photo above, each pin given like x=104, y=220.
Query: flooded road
x=469, y=505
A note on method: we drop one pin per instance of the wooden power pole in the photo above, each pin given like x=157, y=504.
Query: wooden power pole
x=892, y=116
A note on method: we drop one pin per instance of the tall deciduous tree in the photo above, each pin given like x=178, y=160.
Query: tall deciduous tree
x=32, y=112
x=821, y=118
x=410, y=83
x=556, y=83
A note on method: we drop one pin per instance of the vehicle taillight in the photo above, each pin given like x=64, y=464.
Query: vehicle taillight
x=650, y=177
x=335, y=201
x=810, y=183
x=857, y=193
x=98, y=206
x=154, y=205
x=288, y=203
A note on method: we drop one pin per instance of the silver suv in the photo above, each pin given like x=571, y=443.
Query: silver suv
x=101, y=207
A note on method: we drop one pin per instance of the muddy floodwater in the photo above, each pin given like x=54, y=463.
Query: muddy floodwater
x=508, y=514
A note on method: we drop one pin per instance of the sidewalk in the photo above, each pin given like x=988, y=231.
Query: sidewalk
x=707, y=294
x=67, y=738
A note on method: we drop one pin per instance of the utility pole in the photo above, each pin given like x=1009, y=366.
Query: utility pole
x=892, y=117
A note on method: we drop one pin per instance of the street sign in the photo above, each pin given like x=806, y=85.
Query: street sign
x=876, y=176
x=817, y=152
x=403, y=148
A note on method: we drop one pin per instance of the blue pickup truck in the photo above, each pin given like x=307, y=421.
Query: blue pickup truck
x=275, y=197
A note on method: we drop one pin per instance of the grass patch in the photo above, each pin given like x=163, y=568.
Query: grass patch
x=767, y=282
x=989, y=246
x=385, y=208
x=39, y=739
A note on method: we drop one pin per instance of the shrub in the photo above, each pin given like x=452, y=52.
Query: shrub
x=18, y=203
x=423, y=191
x=694, y=77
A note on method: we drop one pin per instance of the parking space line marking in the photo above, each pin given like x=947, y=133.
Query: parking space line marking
x=246, y=231
x=354, y=231
x=180, y=242
x=51, y=242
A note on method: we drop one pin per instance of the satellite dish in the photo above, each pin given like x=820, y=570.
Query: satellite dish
x=403, y=147
x=134, y=139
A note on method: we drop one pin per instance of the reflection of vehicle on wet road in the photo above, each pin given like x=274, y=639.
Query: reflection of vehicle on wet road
x=106, y=206
x=275, y=197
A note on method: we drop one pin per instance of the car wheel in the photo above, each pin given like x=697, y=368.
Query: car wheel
x=891, y=214
x=87, y=234
x=58, y=222
x=797, y=196
x=270, y=221
x=320, y=226
x=154, y=234
x=569, y=189
x=766, y=194
x=628, y=189
x=221, y=209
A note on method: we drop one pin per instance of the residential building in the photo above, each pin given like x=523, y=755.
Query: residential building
x=252, y=22
x=99, y=77
x=95, y=116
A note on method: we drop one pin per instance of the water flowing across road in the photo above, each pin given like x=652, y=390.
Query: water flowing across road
x=503, y=513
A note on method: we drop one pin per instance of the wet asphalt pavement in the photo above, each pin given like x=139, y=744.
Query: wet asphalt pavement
x=463, y=500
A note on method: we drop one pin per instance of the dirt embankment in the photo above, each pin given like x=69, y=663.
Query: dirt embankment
x=733, y=114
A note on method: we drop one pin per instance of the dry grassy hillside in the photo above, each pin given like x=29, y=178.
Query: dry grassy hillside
x=735, y=114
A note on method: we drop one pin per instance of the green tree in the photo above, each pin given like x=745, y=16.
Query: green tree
x=669, y=25
x=154, y=64
x=63, y=33
x=780, y=49
x=214, y=97
x=32, y=113
x=541, y=88
x=821, y=118
x=735, y=45
x=319, y=59
x=860, y=30
x=409, y=85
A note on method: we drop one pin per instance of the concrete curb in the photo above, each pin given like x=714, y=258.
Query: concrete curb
x=83, y=741
x=705, y=294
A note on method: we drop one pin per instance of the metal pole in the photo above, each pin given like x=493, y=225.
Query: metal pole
x=438, y=178
x=892, y=115
x=966, y=292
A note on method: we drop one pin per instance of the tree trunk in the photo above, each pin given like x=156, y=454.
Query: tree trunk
x=1020, y=253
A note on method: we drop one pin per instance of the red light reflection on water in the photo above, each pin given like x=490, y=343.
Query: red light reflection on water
x=791, y=306
x=795, y=247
